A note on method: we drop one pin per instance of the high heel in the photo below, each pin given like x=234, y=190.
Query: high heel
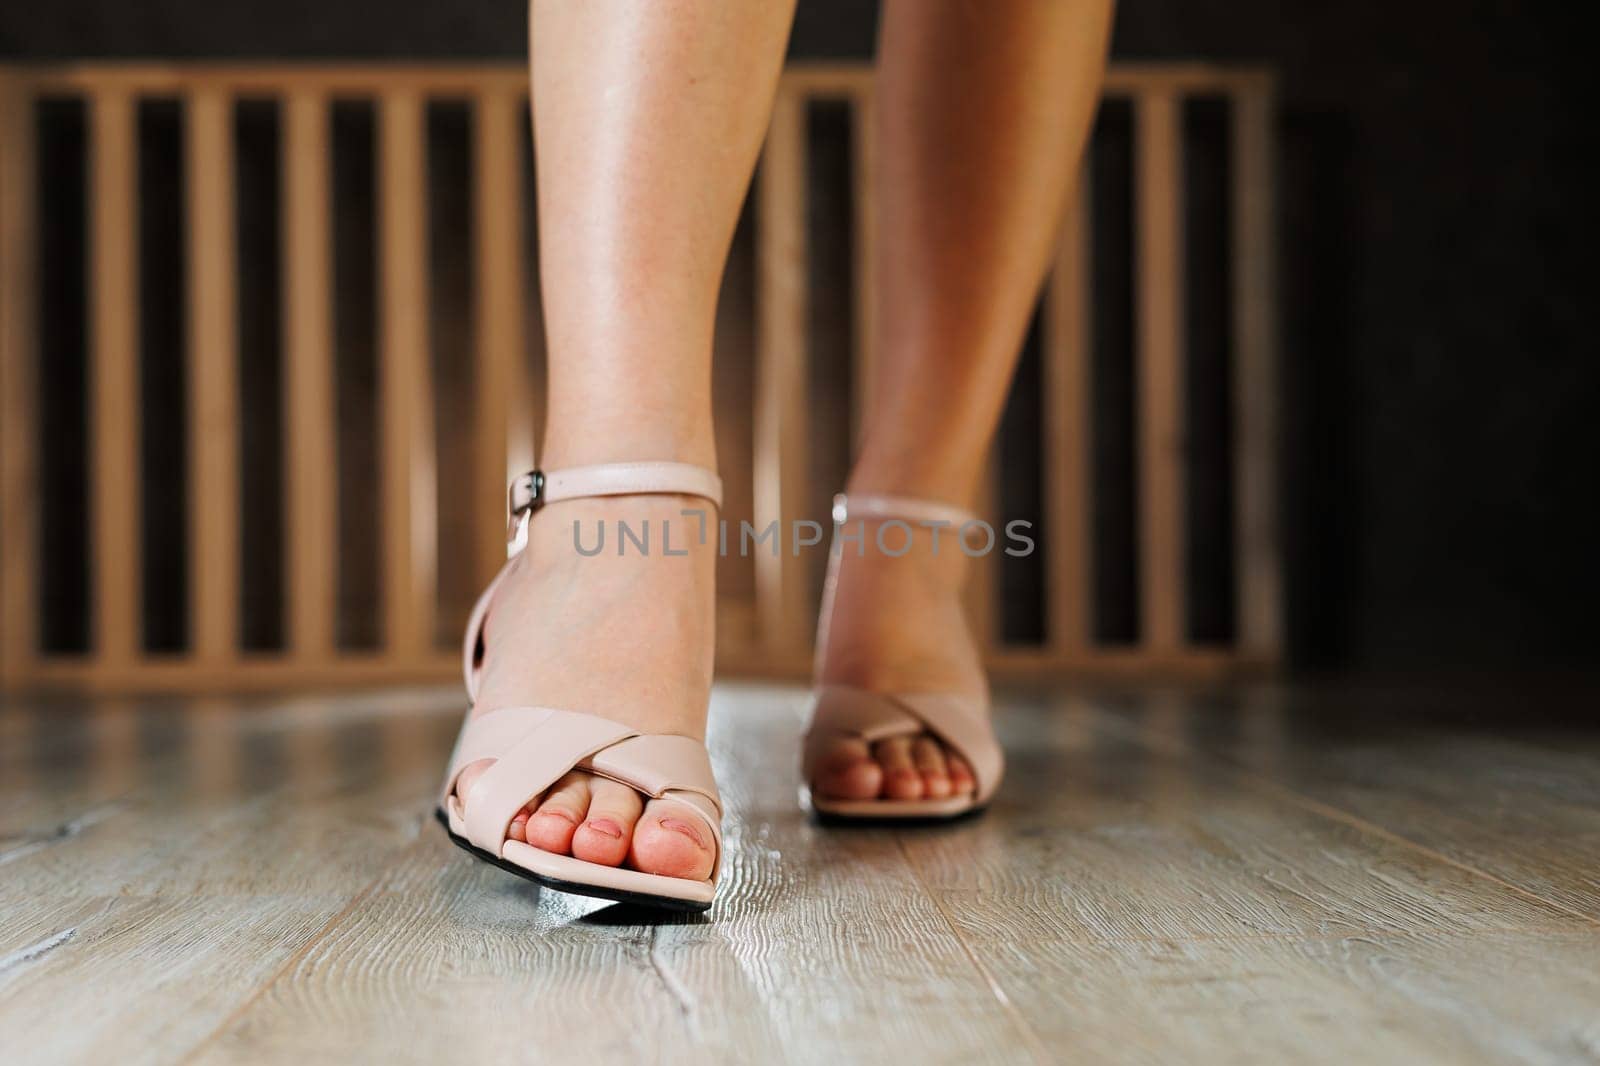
x=959, y=721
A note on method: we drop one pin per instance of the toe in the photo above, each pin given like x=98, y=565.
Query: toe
x=469, y=776
x=900, y=778
x=961, y=779
x=847, y=771
x=606, y=830
x=927, y=754
x=672, y=841
x=558, y=814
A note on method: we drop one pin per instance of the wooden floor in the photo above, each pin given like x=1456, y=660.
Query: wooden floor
x=1239, y=875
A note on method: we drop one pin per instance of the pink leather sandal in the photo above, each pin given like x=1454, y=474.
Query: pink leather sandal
x=961, y=722
x=533, y=747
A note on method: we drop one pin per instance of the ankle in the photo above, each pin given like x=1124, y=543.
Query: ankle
x=576, y=441
x=921, y=477
x=928, y=559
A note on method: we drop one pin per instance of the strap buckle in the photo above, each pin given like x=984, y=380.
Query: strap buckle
x=523, y=498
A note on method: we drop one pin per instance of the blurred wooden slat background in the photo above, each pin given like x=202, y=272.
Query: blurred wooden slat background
x=770, y=412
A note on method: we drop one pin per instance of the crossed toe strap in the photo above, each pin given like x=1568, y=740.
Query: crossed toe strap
x=534, y=747
x=960, y=722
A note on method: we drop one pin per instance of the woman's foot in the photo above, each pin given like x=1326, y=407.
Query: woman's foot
x=626, y=637
x=897, y=624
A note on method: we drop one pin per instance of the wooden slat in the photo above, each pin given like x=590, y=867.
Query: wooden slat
x=780, y=469
x=826, y=80
x=310, y=460
x=409, y=519
x=737, y=658
x=528, y=421
x=19, y=481
x=213, y=380
x=818, y=79
x=864, y=191
x=503, y=396
x=1068, y=429
x=114, y=418
x=1188, y=78
x=253, y=78
x=1255, y=379
x=780, y=453
x=1160, y=354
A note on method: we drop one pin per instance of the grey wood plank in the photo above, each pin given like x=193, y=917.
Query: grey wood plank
x=137, y=979
x=1397, y=998
x=257, y=881
x=1141, y=903
x=1098, y=836
x=1492, y=785
x=231, y=839
x=822, y=946
x=251, y=805
x=451, y=960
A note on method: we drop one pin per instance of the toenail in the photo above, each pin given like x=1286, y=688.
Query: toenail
x=684, y=828
x=605, y=827
x=556, y=812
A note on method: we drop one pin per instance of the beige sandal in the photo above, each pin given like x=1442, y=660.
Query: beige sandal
x=961, y=722
x=534, y=747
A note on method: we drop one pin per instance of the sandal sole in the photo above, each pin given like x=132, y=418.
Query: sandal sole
x=891, y=821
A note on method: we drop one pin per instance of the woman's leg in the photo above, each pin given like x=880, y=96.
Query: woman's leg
x=648, y=115
x=983, y=111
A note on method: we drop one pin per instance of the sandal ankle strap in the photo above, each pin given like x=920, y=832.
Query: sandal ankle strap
x=872, y=505
x=536, y=488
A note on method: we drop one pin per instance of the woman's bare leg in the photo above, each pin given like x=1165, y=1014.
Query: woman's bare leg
x=648, y=115
x=983, y=111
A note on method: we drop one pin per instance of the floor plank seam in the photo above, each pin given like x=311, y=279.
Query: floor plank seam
x=1357, y=822
x=33, y=843
x=34, y=952
x=675, y=987
x=1292, y=937
x=1036, y=1043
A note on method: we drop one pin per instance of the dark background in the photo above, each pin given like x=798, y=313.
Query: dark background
x=1441, y=382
